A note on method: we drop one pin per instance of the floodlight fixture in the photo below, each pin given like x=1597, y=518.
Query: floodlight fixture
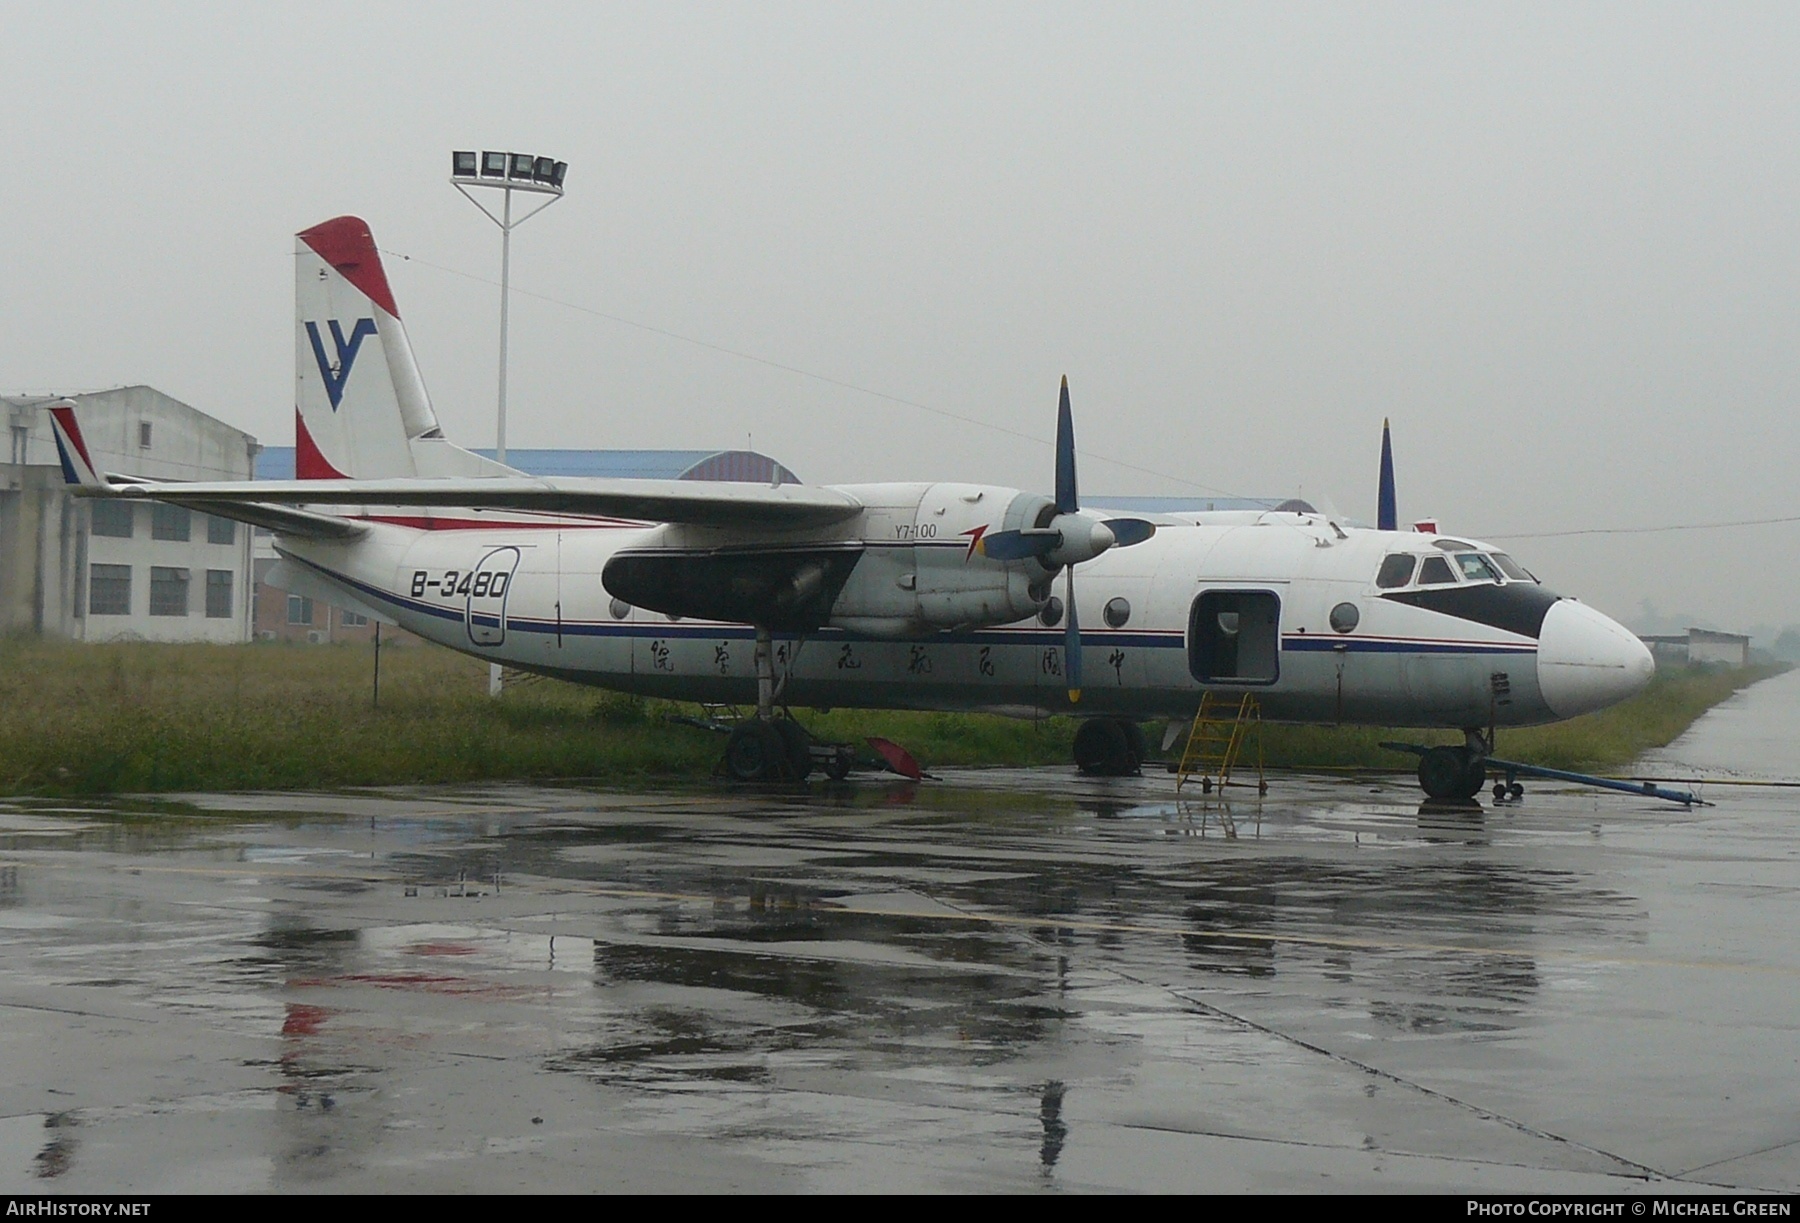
x=493, y=165
x=464, y=165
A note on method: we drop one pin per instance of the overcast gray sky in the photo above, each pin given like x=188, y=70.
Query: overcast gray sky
x=1556, y=244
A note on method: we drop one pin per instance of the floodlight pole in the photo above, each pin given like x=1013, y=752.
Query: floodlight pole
x=507, y=224
x=539, y=176
x=505, y=305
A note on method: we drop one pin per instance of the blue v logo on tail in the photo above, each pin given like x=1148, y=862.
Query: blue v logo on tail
x=336, y=373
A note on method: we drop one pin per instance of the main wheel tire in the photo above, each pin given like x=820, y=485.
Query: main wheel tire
x=1443, y=771
x=1103, y=748
x=755, y=752
x=797, y=745
x=1134, y=740
x=1474, y=775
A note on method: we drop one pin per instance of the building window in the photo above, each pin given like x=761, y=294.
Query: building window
x=114, y=518
x=299, y=609
x=220, y=530
x=170, y=522
x=351, y=619
x=168, y=591
x=144, y=434
x=21, y=438
x=218, y=594
x=109, y=590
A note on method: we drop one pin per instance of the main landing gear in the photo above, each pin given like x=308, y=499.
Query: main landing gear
x=768, y=748
x=780, y=749
x=1109, y=747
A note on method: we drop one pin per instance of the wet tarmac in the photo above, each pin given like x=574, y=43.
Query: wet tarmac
x=1005, y=981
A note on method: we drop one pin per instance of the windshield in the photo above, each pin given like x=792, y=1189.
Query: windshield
x=1475, y=567
x=1435, y=571
x=1396, y=570
x=1512, y=568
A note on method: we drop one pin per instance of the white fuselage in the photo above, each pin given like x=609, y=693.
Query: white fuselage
x=1243, y=605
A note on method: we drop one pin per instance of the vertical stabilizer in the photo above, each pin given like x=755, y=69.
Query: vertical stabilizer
x=71, y=448
x=354, y=415
x=361, y=410
x=1387, y=514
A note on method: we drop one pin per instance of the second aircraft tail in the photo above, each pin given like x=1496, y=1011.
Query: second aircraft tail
x=361, y=411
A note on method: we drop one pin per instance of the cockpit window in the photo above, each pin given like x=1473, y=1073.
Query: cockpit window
x=1435, y=571
x=1396, y=571
x=1475, y=567
x=1450, y=545
x=1512, y=569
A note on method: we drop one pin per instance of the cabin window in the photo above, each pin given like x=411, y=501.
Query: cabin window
x=1396, y=571
x=1435, y=572
x=1234, y=636
x=1116, y=613
x=1051, y=614
x=1475, y=567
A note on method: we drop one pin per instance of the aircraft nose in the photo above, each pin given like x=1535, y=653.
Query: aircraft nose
x=1587, y=661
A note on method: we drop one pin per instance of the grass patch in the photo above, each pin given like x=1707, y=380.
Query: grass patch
x=137, y=717
x=144, y=718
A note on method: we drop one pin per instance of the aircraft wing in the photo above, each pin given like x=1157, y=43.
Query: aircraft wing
x=702, y=503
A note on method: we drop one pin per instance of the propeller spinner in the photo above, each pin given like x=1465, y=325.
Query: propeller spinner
x=1068, y=539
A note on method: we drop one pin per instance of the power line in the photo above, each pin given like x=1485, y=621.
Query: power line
x=806, y=373
x=1684, y=526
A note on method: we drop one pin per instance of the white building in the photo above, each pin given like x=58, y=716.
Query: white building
x=105, y=570
x=1727, y=649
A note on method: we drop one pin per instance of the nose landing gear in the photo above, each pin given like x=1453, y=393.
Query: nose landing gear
x=1457, y=773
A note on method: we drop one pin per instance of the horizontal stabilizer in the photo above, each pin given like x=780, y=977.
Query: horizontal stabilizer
x=282, y=519
x=686, y=501
x=297, y=578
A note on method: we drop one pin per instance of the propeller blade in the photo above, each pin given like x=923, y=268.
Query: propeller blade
x=1065, y=454
x=1387, y=514
x=1071, y=637
x=1017, y=545
x=1128, y=531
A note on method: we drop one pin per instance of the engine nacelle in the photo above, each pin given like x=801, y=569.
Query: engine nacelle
x=923, y=569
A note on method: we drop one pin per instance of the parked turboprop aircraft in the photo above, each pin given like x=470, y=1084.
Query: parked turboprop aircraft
x=907, y=595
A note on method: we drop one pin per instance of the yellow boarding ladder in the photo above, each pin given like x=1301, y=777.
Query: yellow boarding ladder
x=1217, y=741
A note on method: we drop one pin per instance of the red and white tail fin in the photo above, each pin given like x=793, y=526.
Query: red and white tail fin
x=361, y=410
x=77, y=463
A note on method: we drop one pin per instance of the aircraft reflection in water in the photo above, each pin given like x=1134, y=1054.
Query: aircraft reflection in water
x=906, y=595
